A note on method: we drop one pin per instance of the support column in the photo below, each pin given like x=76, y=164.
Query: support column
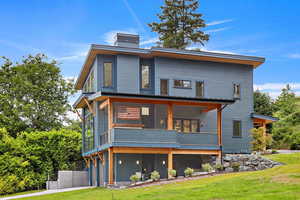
x=219, y=129
x=170, y=116
x=110, y=114
x=97, y=172
x=110, y=166
x=170, y=162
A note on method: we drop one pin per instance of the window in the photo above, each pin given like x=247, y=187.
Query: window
x=164, y=87
x=199, y=89
x=145, y=76
x=237, y=128
x=88, y=131
x=108, y=74
x=145, y=111
x=89, y=83
x=187, y=125
x=236, y=91
x=182, y=84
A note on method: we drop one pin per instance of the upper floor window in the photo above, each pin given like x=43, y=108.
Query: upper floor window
x=187, y=125
x=237, y=128
x=199, y=89
x=89, y=83
x=182, y=84
x=145, y=75
x=236, y=91
x=164, y=87
x=108, y=70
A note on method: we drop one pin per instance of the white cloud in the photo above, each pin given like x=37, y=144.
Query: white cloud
x=276, y=86
x=219, y=22
x=217, y=30
x=294, y=55
x=149, y=41
x=76, y=56
x=109, y=37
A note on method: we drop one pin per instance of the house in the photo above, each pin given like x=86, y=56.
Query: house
x=160, y=109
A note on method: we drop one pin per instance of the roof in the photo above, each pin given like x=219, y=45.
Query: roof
x=266, y=118
x=98, y=95
x=163, y=52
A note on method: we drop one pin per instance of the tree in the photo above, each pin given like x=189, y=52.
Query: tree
x=33, y=95
x=180, y=24
x=260, y=140
x=285, y=103
x=263, y=103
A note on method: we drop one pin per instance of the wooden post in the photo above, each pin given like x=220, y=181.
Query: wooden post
x=110, y=167
x=219, y=128
x=170, y=162
x=170, y=116
x=110, y=114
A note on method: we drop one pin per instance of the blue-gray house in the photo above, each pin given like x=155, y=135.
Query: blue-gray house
x=160, y=109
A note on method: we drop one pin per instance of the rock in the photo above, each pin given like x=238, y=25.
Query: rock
x=226, y=164
x=229, y=169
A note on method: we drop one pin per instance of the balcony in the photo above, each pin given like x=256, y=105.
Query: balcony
x=158, y=138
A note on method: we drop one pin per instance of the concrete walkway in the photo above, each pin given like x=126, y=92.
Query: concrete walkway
x=45, y=192
x=288, y=151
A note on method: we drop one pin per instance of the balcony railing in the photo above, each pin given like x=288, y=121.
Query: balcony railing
x=133, y=137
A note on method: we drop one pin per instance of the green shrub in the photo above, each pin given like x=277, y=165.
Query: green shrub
x=134, y=178
x=235, y=166
x=219, y=167
x=172, y=172
x=155, y=175
x=188, y=172
x=207, y=167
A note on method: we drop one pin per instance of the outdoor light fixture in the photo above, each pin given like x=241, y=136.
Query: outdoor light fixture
x=137, y=162
x=120, y=162
x=164, y=162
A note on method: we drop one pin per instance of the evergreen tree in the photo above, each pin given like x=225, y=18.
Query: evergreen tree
x=180, y=24
x=263, y=103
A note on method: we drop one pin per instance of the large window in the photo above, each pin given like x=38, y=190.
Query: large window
x=199, y=89
x=187, y=125
x=145, y=75
x=183, y=84
x=88, y=131
x=236, y=91
x=108, y=71
x=237, y=128
x=164, y=87
x=89, y=83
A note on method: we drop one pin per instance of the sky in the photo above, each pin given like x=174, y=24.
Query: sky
x=64, y=30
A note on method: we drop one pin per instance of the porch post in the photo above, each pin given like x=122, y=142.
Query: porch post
x=219, y=129
x=170, y=116
x=170, y=162
x=110, y=167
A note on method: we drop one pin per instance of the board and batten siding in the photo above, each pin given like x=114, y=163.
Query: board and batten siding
x=218, y=83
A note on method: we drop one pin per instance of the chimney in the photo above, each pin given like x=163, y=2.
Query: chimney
x=127, y=40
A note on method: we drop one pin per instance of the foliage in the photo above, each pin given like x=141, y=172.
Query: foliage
x=207, y=167
x=293, y=140
x=285, y=103
x=263, y=103
x=26, y=161
x=188, y=172
x=235, y=166
x=180, y=24
x=260, y=140
x=155, y=175
x=214, y=187
x=74, y=125
x=33, y=95
x=172, y=173
x=219, y=167
x=134, y=178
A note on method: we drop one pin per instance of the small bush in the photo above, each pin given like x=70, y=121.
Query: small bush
x=207, y=167
x=155, y=175
x=235, y=166
x=134, y=178
x=274, y=152
x=188, y=172
x=219, y=167
x=172, y=172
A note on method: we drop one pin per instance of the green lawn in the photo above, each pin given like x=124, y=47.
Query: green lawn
x=281, y=182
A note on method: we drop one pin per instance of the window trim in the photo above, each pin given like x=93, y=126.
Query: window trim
x=182, y=87
x=203, y=89
x=236, y=136
x=112, y=74
x=168, y=91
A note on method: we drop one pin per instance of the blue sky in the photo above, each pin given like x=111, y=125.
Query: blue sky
x=64, y=29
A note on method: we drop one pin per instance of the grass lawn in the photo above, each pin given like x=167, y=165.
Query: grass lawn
x=280, y=183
